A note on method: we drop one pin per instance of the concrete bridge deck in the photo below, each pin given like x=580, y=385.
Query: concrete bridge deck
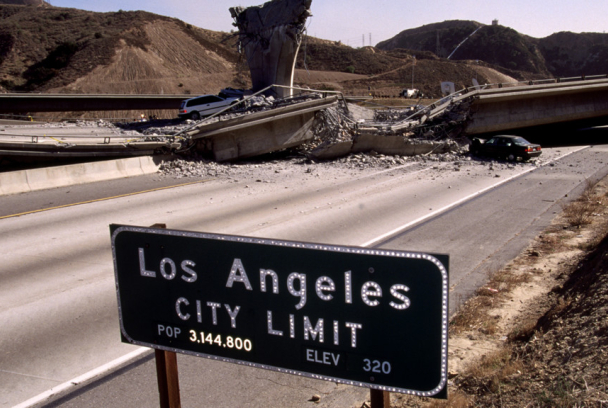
x=508, y=108
x=495, y=108
x=25, y=103
x=234, y=138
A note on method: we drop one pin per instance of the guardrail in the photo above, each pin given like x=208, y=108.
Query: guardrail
x=533, y=82
x=66, y=138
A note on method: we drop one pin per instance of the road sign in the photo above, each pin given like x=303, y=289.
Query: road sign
x=368, y=317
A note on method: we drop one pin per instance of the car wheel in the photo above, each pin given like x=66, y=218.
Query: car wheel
x=195, y=115
x=511, y=157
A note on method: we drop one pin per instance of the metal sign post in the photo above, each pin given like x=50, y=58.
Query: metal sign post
x=166, y=371
x=380, y=399
x=366, y=317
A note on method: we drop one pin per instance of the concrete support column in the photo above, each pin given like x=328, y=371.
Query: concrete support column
x=271, y=35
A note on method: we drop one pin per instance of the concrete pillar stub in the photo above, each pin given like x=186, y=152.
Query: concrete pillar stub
x=271, y=35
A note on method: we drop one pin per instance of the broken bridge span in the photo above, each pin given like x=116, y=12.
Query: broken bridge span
x=539, y=103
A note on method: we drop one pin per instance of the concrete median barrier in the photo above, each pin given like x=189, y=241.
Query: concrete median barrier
x=24, y=181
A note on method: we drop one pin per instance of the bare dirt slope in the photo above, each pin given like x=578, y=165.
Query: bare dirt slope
x=172, y=62
x=427, y=76
x=69, y=50
x=328, y=79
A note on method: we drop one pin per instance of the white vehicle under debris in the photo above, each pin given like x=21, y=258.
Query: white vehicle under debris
x=204, y=105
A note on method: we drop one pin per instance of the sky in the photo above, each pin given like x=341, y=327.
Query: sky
x=354, y=21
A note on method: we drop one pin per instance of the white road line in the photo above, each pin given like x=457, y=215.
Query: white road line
x=454, y=204
x=84, y=377
x=143, y=350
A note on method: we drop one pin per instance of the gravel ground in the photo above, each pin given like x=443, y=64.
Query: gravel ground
x=286, y=165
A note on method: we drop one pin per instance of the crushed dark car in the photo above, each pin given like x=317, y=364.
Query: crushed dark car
x=505, y=147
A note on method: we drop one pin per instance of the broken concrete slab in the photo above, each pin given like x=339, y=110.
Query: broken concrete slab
x=332, y=151
x=281, y=133
x=261, y=132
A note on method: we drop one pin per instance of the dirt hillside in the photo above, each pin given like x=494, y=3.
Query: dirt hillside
x=386, y=73
x=561, y=54
x=51, y=49
x=25, y=2
x=172, y=61
x=70, y=50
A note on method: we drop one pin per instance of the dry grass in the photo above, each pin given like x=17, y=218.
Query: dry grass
x=581, y=211
x=567, y=392
x=497, y=365
x=549, y=243
x=474, y=314
x=578, y=213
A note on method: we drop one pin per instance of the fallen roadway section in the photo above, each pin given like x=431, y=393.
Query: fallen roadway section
x=228, y=137
x=259, y=133
x=252, y=128
x=37, y=141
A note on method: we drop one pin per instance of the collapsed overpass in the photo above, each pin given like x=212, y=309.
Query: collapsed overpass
x=489, y=109
x=503, y=108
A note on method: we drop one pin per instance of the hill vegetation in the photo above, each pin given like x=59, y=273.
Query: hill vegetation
x=560, y=55
x=569, y=54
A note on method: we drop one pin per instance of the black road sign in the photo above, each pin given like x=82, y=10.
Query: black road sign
x=367, y=317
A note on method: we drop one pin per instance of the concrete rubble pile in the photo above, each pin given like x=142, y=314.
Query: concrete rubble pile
x=395, y=115
x=260, y=103
x=340, y=127
x=404, y=132
x=343, y=131
x=193, y=167
x=449, y=124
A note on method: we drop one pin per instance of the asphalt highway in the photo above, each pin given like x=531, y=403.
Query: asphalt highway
x=58, y=308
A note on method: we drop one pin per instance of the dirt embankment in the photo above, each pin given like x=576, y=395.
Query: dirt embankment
x=172, y=62
x=536, y=335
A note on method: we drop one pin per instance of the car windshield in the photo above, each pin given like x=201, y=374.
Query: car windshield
x=520, y=141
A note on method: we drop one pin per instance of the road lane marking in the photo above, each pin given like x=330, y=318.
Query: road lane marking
x=104, y=369
x=102, y=199
x=462, y=200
